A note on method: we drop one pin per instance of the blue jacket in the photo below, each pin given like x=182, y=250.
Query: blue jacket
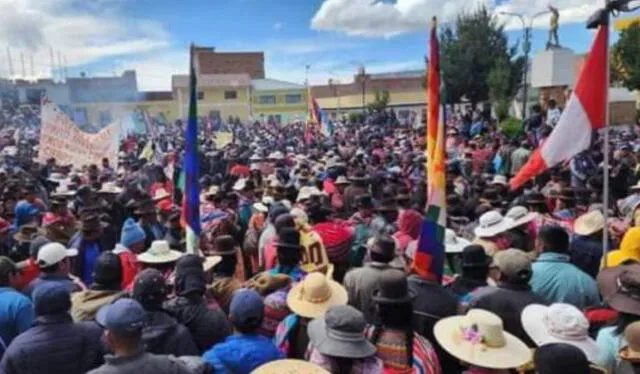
x=55, y=277
x=586, y=254
x=55, y=345
x=241, y=354
x=559, y=281
x=16, y=314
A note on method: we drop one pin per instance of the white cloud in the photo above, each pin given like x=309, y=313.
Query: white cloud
x=375, y=18
x=154, y=70
x=83, y=32
x=277, y=26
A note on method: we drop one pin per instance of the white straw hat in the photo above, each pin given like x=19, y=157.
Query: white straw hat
x=491, y=224
x=478, y=338
x=159, y=253
x=314, y=295
x=559, y=323
x=454, y=243
x=289, y=366
x=520, y=215
x=589, y=223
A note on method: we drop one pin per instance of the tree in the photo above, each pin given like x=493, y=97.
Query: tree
x=499, y=82
x=380, y=102
x=470, y=50
x=625, y=61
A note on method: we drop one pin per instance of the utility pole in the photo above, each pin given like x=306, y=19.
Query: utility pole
x=10, y=63
x=53, y=64
x=33, y=71
x=363, y=77
x=24, y=71
x=64, y=67
x=62, y=78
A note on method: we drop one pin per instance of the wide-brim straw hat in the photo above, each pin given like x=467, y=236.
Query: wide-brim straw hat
x=210, y=262
x=478, y=338
x=589, y=223
x=161, y=194
x=491, y=224
x=159, y=253
x=520, y=215
x=454, y=243
x=289, y=366
x=26, y=233
x=314, y=295
x=557, y=324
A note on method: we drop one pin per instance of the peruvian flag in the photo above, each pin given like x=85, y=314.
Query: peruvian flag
x=585, y=112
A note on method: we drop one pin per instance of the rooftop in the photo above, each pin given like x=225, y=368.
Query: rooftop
x=274, y=85
x=213, y=80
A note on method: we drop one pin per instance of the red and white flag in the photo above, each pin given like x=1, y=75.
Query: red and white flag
x=585, y=112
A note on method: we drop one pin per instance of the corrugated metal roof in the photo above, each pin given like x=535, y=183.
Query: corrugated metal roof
x=274, y=84
x=213, y=80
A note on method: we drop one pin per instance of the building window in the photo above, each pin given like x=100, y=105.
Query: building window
x=267, y=99
x=230, y=95
x=80, y=116
x=105, y=117
x=293, y=99
x=34, y=95
x=200, y=95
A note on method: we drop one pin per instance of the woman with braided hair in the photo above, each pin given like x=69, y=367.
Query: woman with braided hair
x=401, y=349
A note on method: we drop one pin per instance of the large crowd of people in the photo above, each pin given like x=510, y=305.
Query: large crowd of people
x=306, y=259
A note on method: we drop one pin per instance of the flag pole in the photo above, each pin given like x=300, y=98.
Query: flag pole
x=605, y=189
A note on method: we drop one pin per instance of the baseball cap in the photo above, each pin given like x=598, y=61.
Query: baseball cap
x=52, y=253
x=123, y=316
x=514, y=264
x=51, y=298
x=246, y=306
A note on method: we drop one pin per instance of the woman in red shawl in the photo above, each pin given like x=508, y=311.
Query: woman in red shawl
x=409, y=221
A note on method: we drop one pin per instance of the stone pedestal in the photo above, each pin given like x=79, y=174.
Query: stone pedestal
x=553, y=71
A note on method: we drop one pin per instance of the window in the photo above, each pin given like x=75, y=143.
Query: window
x=293, y=99
x=80, y=116
x=267, y=99
x=230, y=95
x=105, y=117
x=34, y=95
x=200, y=95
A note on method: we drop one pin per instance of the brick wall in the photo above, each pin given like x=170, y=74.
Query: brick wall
x=252, y=63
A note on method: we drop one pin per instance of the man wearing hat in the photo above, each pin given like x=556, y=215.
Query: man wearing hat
x=224, y=281
x=361, y=282
x=123, y=322
x=148, y=221
x=361, y=220
x=162, y=334
x=245, y=351
x=132, y=239
x=106, y=288
x=208, y=326
x=586, y=244
x=512, y=294
x=16, y=310
x=89, y=242
x=54, y=261
x=358, y=187
x=55, y=344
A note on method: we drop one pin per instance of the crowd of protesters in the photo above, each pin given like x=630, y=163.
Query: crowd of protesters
x=305, y=262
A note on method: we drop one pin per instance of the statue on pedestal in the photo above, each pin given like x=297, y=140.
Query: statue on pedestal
x=554, y=41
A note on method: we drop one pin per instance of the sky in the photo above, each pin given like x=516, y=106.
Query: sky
x=333, y=37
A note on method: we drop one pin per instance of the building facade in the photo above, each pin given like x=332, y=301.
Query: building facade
x=278, y=101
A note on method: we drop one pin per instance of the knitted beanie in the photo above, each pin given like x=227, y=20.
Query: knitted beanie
x=131, y=233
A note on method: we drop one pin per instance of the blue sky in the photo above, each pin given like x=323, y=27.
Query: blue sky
x=100, y=37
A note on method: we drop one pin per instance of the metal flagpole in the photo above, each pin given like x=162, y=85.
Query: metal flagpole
x=605, y=197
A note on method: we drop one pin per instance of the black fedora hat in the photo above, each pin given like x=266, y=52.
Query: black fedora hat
x=364, y=201
x=288, y=237
x=392, y=288
x=224, y=245
x=474, y=256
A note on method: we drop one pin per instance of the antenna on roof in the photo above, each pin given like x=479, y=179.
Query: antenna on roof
x=24, y=71
x=10, y=62
x=53, y=64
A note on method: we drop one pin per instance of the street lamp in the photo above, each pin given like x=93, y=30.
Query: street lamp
x=526, y=48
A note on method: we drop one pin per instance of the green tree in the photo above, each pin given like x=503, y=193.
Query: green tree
x=625, y=61
x=380, y=102
x=470, y=50
x=499, y=82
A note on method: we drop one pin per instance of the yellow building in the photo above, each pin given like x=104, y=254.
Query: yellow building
x=279, y=101
x=219, y=95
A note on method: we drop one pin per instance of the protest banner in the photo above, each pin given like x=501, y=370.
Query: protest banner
x=223, y=138
x=62, y=139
